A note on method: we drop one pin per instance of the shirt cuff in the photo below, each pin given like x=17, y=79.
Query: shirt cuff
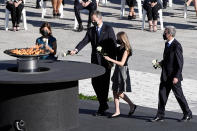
x=76, y=50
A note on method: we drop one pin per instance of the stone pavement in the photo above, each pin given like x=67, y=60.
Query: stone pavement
x=146, y=46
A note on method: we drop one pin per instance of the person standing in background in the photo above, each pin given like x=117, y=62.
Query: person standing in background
x=131, y=4
x=90, y=5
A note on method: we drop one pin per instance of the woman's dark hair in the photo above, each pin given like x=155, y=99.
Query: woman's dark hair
x=46, y=24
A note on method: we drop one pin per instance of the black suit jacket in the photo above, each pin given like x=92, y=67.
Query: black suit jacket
x=172, y=63
x=107, y=41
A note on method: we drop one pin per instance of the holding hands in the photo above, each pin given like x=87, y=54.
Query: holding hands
x=73, y=52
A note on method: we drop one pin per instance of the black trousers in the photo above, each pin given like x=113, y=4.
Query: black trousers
x=165, y=3
x=77, y=7
x=101, y=88
x=164, y=90
x=15, y=12
x=131, y=3
x=152, y=12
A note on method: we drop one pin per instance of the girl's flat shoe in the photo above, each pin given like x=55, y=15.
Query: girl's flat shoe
x=111, y=116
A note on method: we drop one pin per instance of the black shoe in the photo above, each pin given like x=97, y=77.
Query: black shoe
x=111, y=116
x=157, y=119
x=99, y=113
x=164, y=5
x=186, y=118
x=131, y=112
x=58, y=14
x=130, y=17
x=80, y=28
x=54, y=15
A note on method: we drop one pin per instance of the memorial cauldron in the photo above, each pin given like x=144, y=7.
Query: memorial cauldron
x=27, y=62
x=42, y=100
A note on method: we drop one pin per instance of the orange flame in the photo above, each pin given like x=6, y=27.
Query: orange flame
x=35, y=50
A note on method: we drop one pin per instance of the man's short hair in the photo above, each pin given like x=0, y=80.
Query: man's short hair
x=171, y=30
x=97, y=13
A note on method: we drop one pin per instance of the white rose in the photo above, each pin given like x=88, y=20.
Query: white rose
x=45, y=40
x=154, y=62
x=99, y=48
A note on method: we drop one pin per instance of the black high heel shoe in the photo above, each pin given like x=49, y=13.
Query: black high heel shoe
x=58, y=15
x=129, y=17
x=131, y=112
x=54, y=14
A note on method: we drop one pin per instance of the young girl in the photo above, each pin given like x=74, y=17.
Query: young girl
x=47, y=41
x=121, y=78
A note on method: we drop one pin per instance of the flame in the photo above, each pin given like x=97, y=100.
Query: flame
x=35, y=50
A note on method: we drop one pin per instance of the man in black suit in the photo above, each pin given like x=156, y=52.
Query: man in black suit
x=90, y=5
x=171, y=76
x=100, y=35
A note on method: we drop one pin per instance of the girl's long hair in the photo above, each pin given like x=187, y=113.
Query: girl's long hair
x=125, y=41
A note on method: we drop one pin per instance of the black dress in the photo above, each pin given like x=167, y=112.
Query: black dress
x=121, y=79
